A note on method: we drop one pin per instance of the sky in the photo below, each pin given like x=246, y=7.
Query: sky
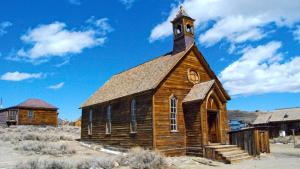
x=62, y=51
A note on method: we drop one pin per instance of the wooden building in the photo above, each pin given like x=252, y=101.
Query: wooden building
x=29, y=112
x=173, y=103
x=281, y=122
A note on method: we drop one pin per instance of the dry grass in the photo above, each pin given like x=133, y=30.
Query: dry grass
x=138, y=158
x=21, y=133
x=104, y=163
x=49, y=148
x=41, y=140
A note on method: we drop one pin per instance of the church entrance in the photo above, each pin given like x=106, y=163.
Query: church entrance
x=213, y=126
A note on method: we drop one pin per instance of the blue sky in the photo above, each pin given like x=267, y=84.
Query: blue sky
x=64, y=50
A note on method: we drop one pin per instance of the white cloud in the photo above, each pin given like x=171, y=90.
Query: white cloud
x=55, y=40
x=297, y=34
x=261, y=70
x=235, y=21
x=75, y=2
x=57, y=86
x=19, y=76
x=127, y=3
x=4, y=26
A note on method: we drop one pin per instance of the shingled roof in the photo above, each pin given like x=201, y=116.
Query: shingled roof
x=278, y=115
x=263, y=118
x=199, y=91
x=141, y=78
x=32, y=104
x=35, y=103
x=289, y=114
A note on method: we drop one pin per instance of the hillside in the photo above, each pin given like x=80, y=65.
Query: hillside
x=246, y=116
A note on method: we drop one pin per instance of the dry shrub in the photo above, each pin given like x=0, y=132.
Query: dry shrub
x=138, y=158
x=283, y=140
x=105, y=163
x=49, y=148
x=44, y=164
x=53, y=134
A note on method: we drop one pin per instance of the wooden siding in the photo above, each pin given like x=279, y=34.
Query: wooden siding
x=3, y=118
x=252, y=140
x=177, y=83
x=120, y=134
x=41, y=117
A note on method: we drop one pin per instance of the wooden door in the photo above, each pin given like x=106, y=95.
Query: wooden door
x=213, y=127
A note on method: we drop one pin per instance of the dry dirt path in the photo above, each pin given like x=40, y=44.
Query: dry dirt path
x=281, y=157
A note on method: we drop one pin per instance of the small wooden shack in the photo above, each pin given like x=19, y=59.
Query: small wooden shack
x=174, y=103
x=281, y=121
x=30, y=112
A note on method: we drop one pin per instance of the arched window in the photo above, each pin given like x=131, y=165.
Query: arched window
x=133, y=124
x=173, y=113
x=189, y=28
x=178, y=30
x=108, y=120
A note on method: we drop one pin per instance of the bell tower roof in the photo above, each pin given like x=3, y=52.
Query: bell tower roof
x=183, y=31
x=180, y=14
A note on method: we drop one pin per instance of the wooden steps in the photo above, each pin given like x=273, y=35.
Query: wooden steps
x=195, y=151
x=225, y=153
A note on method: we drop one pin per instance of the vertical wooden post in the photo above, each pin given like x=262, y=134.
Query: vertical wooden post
x=294, y=140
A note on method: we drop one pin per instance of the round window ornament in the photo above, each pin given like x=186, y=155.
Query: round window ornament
x=193, y=76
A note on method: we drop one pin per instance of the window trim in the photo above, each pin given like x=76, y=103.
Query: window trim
x=133, y=111
x=90, y=122
x=30, y=117
x=12, y=115
x=173, y=126
x=108, y=120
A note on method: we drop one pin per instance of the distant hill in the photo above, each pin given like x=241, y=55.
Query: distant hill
x=245, y=116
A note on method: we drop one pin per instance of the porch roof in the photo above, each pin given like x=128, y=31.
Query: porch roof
x=199, y=91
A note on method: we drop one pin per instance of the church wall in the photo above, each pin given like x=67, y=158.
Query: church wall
x=177, y=83
x=120, y=123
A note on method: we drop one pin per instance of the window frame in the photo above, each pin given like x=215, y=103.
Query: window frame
x=108, y=120
x=173, y=108
x=12, y=115
x=90, y=122
x=133, y=122
x=30, y=115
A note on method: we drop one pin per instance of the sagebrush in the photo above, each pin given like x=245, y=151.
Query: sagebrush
x=137, y=158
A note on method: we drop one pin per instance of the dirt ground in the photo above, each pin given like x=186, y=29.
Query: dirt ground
x=282, y=157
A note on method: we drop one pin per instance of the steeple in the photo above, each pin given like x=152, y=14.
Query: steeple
x=183, y=31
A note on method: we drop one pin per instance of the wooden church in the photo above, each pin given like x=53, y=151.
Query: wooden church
x=174, y=103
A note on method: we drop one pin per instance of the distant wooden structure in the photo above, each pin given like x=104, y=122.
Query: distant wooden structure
x=280, y=121
x=29, y=112
x=173, y=103
x=77, y=123
x=254, y=140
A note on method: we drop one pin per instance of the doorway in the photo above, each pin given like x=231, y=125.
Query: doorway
x=213, y=126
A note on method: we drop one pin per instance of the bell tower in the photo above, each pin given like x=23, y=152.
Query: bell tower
x=183, y=31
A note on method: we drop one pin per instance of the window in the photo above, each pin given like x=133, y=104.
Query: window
x=30, y=114
x=189, y=28
x=133, y=125
x=90, y=123
x=193, y=76
x=12, y=115
x=173, y=113
x=108, y=120
x=178, y=30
